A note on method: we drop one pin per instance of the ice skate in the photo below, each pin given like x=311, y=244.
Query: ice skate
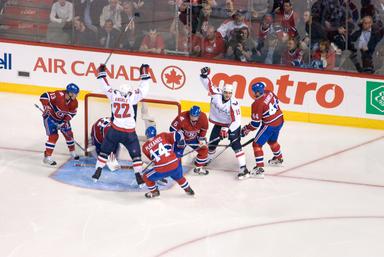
x=49, y=161
x=275, y=161
x=75, y=156
x=257, y=172
x=153, y=194
x=97, y=174
x=243, y=173
x=189, y=191
x=200, y=171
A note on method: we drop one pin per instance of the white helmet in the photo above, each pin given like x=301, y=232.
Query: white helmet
x=228, y=88
x=125, y=89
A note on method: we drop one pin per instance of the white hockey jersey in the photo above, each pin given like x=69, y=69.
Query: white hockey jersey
x=222, y=113
x=121, y=106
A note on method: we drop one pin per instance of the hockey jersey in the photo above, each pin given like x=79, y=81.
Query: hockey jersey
x=57, y=106
x=266, y=110
x=222, y=113
x=100, y=129
x=160, y=150
x=182, y=123
x=122, y=110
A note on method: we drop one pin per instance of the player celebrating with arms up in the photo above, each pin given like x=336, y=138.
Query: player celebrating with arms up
x=123, y=123
x=267, y=113
x=161, y=150
x=193, y=124
x=59, y=108
x=226, y=115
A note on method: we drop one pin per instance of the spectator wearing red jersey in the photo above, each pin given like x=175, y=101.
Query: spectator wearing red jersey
x=293, y=56
x=153, y=42
x=288, y=19
x=213, y=44
x=326, y=54
x=188, y=42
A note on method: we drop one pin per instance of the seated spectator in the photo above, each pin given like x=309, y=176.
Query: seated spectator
x=365, y=39
x=108, y=36
x=287, y=19
x=203, y=19
x=241, y=47
x=227, y=28
x=293, y=56
x=340, y=39
x=112, y=12
x=59, y=29
x=83, y=35
x=153, y=42
x=266, y=29
x=326, y=55
x=314, y=32
x=213, y=44
x=190, y=13
x=223, y=10
x=89, y=11
x=188, y=42
x=270, y=53
x=129, y=25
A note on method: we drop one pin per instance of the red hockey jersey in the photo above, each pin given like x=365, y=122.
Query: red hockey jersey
x=266, y=109
x=57, y=106
x=160, y=151
x=190, y=132
x=100, y=129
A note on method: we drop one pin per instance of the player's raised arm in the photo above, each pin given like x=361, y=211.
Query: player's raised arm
x=206, y=82
x=102, y=78
x=143, y=89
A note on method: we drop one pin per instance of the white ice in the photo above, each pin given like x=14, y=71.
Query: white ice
x=326, y=200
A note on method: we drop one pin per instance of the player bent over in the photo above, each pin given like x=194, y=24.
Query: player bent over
x=59, y=108
x=161, y=150
x=193, y=124
x=123, y=125
x=98, y=133
x=267, y=114
x=225, y=114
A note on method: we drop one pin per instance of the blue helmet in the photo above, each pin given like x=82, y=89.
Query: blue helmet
x=258, y=87
x=195, y=111
x=150, y=132
x=72, y=88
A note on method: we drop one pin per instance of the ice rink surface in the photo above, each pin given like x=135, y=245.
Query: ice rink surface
x=326, y=200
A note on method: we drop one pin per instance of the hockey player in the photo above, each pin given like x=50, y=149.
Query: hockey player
x=123, y=125
x=161, y=150
x=98, y=133
x=267, y=115
x=60, y=107
x=193, y=124
x=225, y=114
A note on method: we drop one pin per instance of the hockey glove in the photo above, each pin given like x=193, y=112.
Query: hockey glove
x=202, y=142
x=47, y=110
x=205, y=72
x=245, y=131
x=224, y=132
x=144, y=69
x=101, y=71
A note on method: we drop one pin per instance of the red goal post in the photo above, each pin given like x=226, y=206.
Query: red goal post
x=89, y=96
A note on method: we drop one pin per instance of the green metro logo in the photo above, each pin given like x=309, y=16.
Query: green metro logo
x=375, y=98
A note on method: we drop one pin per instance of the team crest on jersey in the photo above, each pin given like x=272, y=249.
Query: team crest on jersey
x=190, y=134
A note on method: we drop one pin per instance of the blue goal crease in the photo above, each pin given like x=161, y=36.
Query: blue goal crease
x=122, y=180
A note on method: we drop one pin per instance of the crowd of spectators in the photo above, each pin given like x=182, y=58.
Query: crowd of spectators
x=318, y=34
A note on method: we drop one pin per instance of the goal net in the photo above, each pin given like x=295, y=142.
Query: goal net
x=149, y=112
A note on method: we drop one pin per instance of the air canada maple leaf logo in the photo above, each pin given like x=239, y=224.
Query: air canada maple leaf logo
x=173, y=77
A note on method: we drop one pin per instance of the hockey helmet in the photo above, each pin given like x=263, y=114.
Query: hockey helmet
x=150, y=132
x=72, y=88
x=258, y=87
x=125, y=89
x=195, y=111
x=228, y=88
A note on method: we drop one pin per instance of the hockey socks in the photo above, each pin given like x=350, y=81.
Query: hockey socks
x=50, y=144
x=275, y=147
x=259, y=154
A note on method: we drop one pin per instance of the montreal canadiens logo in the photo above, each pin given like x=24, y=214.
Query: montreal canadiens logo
x=173, y=77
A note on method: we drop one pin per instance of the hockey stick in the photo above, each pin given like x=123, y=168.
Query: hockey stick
x=226, y=147
x=82, y=164
x=200, y=146
x=136, y=14
x=76, y=143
